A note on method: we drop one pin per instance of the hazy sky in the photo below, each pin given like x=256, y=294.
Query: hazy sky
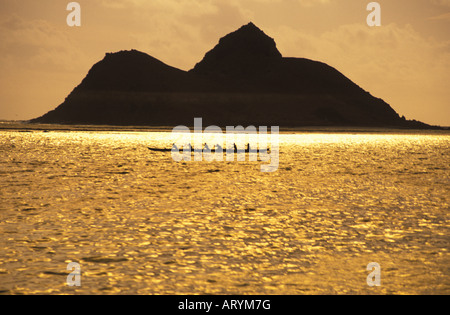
x=406, y=61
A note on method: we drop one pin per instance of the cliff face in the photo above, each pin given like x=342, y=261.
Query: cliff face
x=244, y=80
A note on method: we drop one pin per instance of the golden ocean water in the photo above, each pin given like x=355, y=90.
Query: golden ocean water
x=139, y=223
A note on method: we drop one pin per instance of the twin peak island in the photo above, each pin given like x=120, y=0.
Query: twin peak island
x=244, y=80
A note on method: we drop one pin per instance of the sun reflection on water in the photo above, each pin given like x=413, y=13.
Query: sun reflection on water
x=138, y=222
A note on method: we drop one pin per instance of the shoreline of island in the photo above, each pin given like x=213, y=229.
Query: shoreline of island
x=25, y=126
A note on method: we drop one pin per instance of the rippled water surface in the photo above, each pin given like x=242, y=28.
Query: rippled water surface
x=140, y=223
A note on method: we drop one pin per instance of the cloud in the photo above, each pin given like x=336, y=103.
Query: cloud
x=173, y=7
x=445, y=16
x=393, y=62
x=309, y=3
x=39, y=63
x=36, y=44
x=179, y=32
x=441, y=2
x=394, y=50
x=306, y=3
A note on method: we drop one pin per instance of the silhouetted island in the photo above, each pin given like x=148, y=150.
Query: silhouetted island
x=244, y=80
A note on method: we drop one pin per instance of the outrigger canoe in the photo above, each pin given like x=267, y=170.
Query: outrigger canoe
x=168, y=150
x=201, y=150
x=159, y=150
